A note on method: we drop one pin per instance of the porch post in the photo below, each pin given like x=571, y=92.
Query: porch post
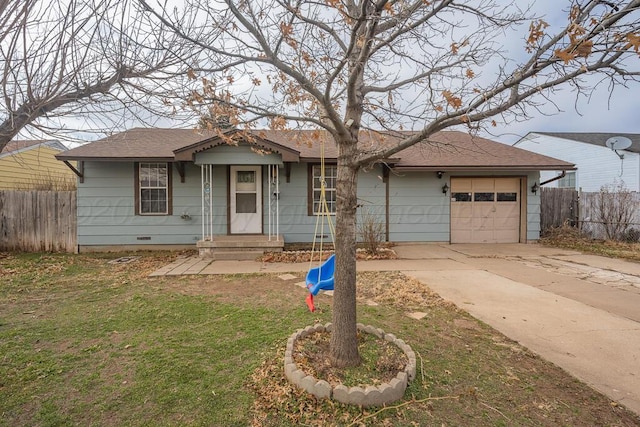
x=206, y=175
x=270, y=195
x=274, y=202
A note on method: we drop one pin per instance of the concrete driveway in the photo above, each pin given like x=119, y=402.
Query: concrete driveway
x=581, y=312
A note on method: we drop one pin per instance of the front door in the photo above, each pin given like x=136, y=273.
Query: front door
x=245, y=213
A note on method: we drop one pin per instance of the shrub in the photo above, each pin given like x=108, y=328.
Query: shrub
x=615, y=210
x=371, y=232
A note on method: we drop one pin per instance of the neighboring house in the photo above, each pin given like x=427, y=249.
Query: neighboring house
x=597, y=165
x=32, y=165
x=159, y=187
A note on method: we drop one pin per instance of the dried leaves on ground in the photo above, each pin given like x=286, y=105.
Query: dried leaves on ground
x=305, y=255
x=397, y=290
x=568, y=237
x=381, y=360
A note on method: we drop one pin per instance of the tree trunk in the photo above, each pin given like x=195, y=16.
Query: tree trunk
x=344, y=342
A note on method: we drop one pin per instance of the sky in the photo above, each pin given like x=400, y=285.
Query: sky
x=600, y=112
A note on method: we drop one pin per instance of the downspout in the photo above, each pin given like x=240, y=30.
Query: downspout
x=562, y=175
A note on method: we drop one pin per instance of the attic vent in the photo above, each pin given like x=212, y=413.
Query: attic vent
x=143, y=238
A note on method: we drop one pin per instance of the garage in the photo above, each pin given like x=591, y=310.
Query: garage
x=485, y=210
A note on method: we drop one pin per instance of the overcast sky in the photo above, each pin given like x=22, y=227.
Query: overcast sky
x=599, y=113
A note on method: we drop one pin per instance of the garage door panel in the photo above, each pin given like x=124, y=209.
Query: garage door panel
x=460, y=236
x=483, y=236
x=461, y=210
x=482, y=223
x=507, y=210
x=461, y=185
x=481, y=185
x=507, y=185
x=506, y=236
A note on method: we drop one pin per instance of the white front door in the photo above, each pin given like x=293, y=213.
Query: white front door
x=245, y=213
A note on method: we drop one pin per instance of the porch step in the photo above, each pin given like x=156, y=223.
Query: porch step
x=239, y=247
x=244, y=255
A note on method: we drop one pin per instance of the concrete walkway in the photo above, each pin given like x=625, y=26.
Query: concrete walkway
x=581, y=312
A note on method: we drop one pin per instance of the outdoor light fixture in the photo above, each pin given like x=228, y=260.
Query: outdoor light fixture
x=445, y=188
x=534, y=188
x=439, y=173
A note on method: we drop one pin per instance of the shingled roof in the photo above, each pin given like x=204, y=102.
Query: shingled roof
x=596, y=138
x=448, y=150
x=17, y=146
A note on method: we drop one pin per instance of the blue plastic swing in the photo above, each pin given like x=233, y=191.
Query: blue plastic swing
x=321, y=278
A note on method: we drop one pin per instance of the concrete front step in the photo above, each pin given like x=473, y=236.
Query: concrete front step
x=239, y=247
x=244, y=255
x=248, y=243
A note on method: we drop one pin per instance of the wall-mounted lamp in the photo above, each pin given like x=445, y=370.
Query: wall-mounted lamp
x=439, y=173
x=534, y=188
x=445, y=188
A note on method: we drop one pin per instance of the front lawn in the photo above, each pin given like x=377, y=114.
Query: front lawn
x=85, y=342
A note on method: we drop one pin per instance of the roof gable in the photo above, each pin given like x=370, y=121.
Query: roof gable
x=235, y=137
x=19, y=146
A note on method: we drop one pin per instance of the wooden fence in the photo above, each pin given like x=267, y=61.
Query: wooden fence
x=579, y=209
x=38, y=221
x=557, y=206
x=591, y=224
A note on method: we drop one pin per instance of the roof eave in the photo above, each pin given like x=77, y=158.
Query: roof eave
x=63, y=157
x=493, y=168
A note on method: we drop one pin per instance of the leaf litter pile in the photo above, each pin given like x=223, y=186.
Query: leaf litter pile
x=381, y=360
x=397, y=290
x=305, y=255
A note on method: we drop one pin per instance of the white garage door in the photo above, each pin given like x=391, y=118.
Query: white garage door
x=485, y=210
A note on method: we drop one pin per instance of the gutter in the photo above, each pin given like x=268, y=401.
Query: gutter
x=562, y=175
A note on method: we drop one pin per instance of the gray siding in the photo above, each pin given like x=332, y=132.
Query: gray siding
x=296, y=225
x=106, y=211
x=418, y=210
x=236, y=155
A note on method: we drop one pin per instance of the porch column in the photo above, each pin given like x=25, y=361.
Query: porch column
x=274, y=202
x=206, y=174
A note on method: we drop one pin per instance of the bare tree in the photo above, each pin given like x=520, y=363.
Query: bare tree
x=615, y=209
x=347, y=66
x=97, y=61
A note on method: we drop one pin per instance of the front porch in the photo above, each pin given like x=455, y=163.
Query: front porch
x=237, y=247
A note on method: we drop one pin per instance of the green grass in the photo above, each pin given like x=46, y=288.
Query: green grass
x=83, y=342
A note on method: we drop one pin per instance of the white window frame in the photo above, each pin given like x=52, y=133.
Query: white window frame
x=157, y=166
x=331, y=177
x=566, y=180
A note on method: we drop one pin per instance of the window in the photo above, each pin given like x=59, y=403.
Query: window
x=153, y=189
x=507, y=197
x=330, y=178
x=568, y=181
x=483, y=197
x=461, y=197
